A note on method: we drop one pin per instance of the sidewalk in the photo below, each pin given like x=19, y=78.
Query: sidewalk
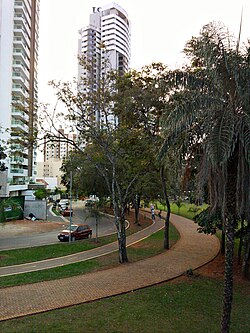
x=191, y=251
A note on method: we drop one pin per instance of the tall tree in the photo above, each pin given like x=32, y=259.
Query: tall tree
x=211, y=119
x=115, y=149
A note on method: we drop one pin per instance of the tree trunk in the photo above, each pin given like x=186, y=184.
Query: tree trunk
x=166, y=225
x=246, y=253
x=137, y=208
x=122, y=240
x=223, y=242
x=228, y=277
x=119, y=213
x=241, y=241
x=230, y=224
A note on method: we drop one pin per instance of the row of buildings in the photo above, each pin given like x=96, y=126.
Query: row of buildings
x=19, y=55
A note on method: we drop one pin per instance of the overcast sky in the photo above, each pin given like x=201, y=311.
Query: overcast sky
x=159, y=31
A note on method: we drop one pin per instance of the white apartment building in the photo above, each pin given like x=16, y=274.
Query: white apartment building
x=18, y=90
x=60, y=147
x=107, y=35
x=50, y=169
x=106, y=38
x=53, y=154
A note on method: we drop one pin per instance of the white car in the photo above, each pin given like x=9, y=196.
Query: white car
x=63, y=202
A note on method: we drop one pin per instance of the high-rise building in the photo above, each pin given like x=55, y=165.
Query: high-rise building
x=18, y=90
x=105, y=39
x=107, y=35
x=55, y=150
x=59, y=147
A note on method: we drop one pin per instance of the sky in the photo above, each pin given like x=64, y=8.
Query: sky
x=159, y=31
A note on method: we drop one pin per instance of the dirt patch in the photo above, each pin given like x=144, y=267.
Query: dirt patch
x=215, y=270
x=22, y=227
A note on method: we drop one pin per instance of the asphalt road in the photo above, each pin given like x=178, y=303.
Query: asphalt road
x=32, y=237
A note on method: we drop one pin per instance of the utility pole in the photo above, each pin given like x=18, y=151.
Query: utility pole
x=70, y=207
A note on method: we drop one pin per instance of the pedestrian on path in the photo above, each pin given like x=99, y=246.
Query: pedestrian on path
x=153, y=214
x=159, y=214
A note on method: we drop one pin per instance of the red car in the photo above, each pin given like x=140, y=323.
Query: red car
x=77, y=231
x=66, y=212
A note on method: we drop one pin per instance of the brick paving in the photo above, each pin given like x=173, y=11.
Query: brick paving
x=191, y=251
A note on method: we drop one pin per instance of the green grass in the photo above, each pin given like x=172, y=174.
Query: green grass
x=186, y=210
x=148, y=247
x=20, y=256
x=191, y=306
x=55, y=211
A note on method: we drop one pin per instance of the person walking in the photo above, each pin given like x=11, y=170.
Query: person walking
x=153, y=214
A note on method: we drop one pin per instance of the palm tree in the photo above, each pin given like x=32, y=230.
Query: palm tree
x=210, y=122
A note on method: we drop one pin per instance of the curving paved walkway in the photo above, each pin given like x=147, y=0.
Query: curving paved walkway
x=191, y=251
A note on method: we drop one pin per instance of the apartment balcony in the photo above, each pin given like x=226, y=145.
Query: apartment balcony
x=20, y=91
x=19, y=126
x=18, y=187
x=18, y=160
x=17, y=55
x=20, y=68
x=20, y=44
x=17, y=172
x=23, y=7
x=17, y=78
x=21, y=33
x=19, y=115
x=20, y=14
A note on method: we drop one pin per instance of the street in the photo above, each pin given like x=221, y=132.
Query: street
x=21, y=234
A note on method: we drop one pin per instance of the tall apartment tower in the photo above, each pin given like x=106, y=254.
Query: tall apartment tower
x=106, y=38
x=60, y=147
x=18, y=90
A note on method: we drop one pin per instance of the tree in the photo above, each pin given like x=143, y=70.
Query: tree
x=146, y=95
x=2, y=157
x=105, y=139
x=211, y=119
x=41, y=193
x=86, y=180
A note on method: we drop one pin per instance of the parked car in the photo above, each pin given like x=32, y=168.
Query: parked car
x=63, y=202
x=66, y=212
x=62, y=208
x=78, y=231
x=89, y=203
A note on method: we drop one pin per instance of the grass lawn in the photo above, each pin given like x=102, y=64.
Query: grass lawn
x=191, y=305
x=187, y=304
x=186, y=209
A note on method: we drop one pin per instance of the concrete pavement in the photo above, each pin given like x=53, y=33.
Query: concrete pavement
x=192, y=251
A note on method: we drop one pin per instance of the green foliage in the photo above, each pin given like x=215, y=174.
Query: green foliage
x=2, y=157
x=209, y=221
x=41, y=193
x=179, y=204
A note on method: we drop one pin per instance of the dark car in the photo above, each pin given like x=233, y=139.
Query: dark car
x=78, y=231
x=66, y=212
